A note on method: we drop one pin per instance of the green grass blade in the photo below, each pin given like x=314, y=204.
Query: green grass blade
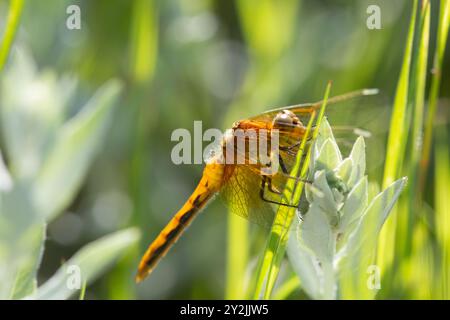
x=261, y=26
x=83, y=290
x=442, y=208
x=398, y=127
x=397, y=140
x=420, y=75
x=418, y=87
x=237, y=257
x=26, y=278
x=281, y=221
x=441, y=40
x=15, y=11
x=287, y=288
x=144, y=40
x=276, y=245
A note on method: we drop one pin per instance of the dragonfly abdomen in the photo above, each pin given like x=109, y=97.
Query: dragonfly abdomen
x=206, y=189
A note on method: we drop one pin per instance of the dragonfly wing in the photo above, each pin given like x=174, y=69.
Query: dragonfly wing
x=241, y=194
x=299, y=109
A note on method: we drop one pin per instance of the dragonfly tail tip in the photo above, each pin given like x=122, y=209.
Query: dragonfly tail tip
x=139, y=277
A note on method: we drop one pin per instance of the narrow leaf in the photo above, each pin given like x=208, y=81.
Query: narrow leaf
x=73, y=151
x=88, y=263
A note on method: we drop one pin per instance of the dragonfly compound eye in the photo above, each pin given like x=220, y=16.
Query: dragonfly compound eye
x=286, y=118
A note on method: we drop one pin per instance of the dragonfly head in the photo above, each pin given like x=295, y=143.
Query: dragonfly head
x=286, y=120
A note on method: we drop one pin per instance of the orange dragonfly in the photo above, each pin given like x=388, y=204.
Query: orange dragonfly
x=248, y=190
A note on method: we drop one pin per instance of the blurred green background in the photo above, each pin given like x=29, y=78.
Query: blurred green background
x=215, y=61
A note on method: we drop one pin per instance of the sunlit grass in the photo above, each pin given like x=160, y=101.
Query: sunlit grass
x=144, y=40
x=287, y=288
x=237, y=253
x=405, y=245
x=441, y=40
x=442, y=208
x=419, y=85
x=15, y=11
x=412, y=160
x=396, y=145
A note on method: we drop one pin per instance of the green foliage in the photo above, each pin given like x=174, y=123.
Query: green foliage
x=400, y=114
x=91, y=260
x=337, y=235
x=50, y=154
x=216, y=61
x=403, y=243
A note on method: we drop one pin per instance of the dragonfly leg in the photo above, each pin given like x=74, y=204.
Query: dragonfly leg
x=297, y=144
x=265, y=181
x=271, y=187
x=292, y=146
x=282, y=165
x=285, y=172
x=296, y=178
x=290, y=149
